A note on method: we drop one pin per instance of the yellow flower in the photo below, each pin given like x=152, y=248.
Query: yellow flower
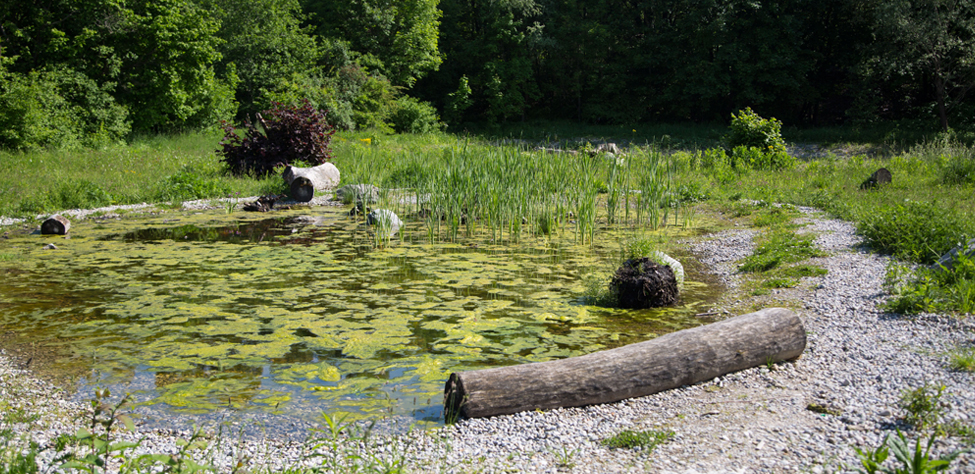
x=367, y=141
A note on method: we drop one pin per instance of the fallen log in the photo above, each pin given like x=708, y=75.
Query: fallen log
x=670, y=361
x=56, y=225
x=305, y=181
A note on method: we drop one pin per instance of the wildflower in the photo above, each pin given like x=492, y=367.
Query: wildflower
x=367, y=141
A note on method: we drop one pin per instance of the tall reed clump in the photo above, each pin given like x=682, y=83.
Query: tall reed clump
x=462, y=189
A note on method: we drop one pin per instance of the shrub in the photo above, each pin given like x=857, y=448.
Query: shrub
x=747, y=129
x=33, y=114
x=414, y=116
x=745, y=157
x=916, y=231
x=288, y=135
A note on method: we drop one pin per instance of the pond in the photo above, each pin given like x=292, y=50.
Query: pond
x=295, y=313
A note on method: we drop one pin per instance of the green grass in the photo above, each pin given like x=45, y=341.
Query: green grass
x=150, y=169
x=800, y=271
x=628, y=439
x=777, y=248
x=780, y=283
x=924, y=289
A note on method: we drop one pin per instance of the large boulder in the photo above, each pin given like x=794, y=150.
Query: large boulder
x=947, y=261
x=643, y=283
x=384, y=222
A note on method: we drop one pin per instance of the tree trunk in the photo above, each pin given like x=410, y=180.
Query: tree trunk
x=305, y=181
x=56, y=224
x=673, y=360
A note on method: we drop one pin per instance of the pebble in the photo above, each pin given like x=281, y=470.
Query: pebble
x=858, y=360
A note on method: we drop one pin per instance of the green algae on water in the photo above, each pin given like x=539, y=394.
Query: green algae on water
x=274, y=313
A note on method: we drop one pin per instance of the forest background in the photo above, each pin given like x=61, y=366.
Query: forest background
x=86, y=73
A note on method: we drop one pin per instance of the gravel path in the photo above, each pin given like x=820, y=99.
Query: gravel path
x=857, y=363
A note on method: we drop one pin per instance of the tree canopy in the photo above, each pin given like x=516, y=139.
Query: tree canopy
x=87, y=72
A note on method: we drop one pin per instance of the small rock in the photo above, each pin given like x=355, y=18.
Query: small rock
x=50, y=247
x=386, y=222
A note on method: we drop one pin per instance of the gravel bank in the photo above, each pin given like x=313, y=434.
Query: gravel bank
x=857, y=362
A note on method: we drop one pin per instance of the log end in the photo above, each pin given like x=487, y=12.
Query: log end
x=56, y=225
x=453, y=399
x=302, y=189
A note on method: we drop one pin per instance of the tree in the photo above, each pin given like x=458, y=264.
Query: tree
x=169, y=49
x=932, y=39
x=262, y=42
x=156, y=58
x=398, y=38
x=492, y=45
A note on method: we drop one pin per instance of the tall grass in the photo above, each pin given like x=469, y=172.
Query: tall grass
x=462, y=188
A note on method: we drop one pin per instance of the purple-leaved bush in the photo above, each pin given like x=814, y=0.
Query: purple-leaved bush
x=287, y=134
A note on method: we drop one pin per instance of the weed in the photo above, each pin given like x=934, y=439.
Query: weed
x=958, y=429
x=916, y=461
x=637, y=247
x=963, y=359
x=564, y=457
x=597, y=290
x=780, y=283
x=349, y=447
x=95, y=449
x=648, y=439
x=231, y=203
x=823, y=409
x=923, y=406
x=930, y=289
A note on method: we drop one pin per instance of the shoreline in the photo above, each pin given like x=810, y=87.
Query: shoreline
x=857, y=362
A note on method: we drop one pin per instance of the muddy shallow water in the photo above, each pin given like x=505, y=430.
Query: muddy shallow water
x=298, y=312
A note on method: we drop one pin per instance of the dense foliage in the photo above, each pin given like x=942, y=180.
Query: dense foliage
x=92, y=72
x=288, y=135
